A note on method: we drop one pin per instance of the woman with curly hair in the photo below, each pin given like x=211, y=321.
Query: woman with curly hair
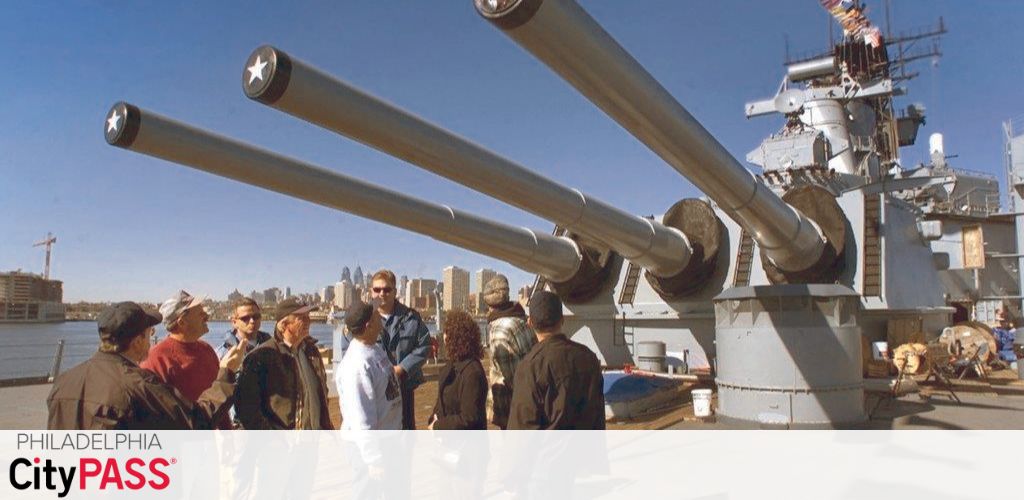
x=462, y=385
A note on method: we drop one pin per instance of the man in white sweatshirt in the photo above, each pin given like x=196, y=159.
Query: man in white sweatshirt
x=370, y=395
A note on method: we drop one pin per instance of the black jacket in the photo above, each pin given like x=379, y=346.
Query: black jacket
x=110, y=392
x=558, y=385
x=461, y=396
x=269, y=390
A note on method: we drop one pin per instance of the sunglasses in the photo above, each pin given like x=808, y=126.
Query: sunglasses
x=251, y=317
x=385, y=289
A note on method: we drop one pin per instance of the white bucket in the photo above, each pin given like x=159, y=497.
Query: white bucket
x=701, y=402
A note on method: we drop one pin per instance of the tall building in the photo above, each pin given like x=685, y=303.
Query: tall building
x=481, y=277
x=235, y=296
x=327, y=294
x=403, y=283
x=287, y=292
x=346, y=275
x=357, y=277
x=476, y=303
x=31, y=298
x=272, y=296
x=344, y=294
x=409, y=295
x=419, y=294
x=456, y=288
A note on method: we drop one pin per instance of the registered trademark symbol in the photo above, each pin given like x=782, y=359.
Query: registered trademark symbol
x=174, y=460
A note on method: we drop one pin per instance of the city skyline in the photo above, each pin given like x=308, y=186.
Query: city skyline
x=409, y=292
x=120, y=217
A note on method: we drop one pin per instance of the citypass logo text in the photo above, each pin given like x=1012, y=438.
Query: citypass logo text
x=90, y=473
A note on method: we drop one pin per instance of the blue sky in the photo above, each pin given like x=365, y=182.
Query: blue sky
x=133, y=227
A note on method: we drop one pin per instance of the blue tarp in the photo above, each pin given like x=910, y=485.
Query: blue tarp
x=618, y=386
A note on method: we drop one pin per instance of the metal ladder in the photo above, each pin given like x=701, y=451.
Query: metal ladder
x=872, y=283
x=630, y=285
x=744, y=260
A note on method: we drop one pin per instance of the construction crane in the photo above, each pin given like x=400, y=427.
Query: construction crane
x=48, y=243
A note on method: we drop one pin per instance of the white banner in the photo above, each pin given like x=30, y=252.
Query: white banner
x=512, y=464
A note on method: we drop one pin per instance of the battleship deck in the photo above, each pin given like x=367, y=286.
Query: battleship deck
x=996, y=404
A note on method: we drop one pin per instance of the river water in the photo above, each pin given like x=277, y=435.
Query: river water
x=27, y=350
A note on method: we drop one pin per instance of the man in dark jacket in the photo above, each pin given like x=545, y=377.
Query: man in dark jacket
x=110, y=391
x=558, y=385
x=283, y=384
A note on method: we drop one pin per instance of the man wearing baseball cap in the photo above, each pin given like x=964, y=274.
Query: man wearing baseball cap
x=369, y=391
x=181, y=359
x=283, y=384
x=110, y=391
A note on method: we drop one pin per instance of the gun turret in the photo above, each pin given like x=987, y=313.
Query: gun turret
x=556, y=258
x=563, y=36
x=680, y=257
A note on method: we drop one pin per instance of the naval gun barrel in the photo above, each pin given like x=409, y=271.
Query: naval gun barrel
x=278, y=80
x=129, y=127
x=564, y=37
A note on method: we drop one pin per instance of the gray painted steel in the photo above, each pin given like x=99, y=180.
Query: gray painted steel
x=789, y=354
x=324, y=100
x=810, y=69
x=830, y=117
x=158, y=136
x=650, y=356
x=1015, y=181
x=563, y=36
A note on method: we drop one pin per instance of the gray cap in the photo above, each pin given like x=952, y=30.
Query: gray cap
x=174, y=308
x=496, y=291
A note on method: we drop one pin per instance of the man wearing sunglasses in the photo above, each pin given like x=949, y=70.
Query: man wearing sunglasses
x=245, y=322
x=405, y=338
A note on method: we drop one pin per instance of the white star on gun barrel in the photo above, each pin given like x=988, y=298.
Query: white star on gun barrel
x=256, y=70
x=113, y=121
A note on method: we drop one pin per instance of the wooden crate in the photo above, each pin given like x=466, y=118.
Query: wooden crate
x=879, y=369
x=901, y=331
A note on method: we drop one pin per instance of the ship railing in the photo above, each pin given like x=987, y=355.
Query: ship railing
x=974, y=173
x=60, y=359
x=970, y=205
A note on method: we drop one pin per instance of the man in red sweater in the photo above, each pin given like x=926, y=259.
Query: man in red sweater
x=182, y=360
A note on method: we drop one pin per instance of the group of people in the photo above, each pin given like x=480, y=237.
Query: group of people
x=537, y=378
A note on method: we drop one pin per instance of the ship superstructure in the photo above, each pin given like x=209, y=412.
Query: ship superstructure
x=773, y=281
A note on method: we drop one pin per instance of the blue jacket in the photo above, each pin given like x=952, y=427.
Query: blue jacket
x=406, y=340
x=231, y=340
x=1004, y=343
